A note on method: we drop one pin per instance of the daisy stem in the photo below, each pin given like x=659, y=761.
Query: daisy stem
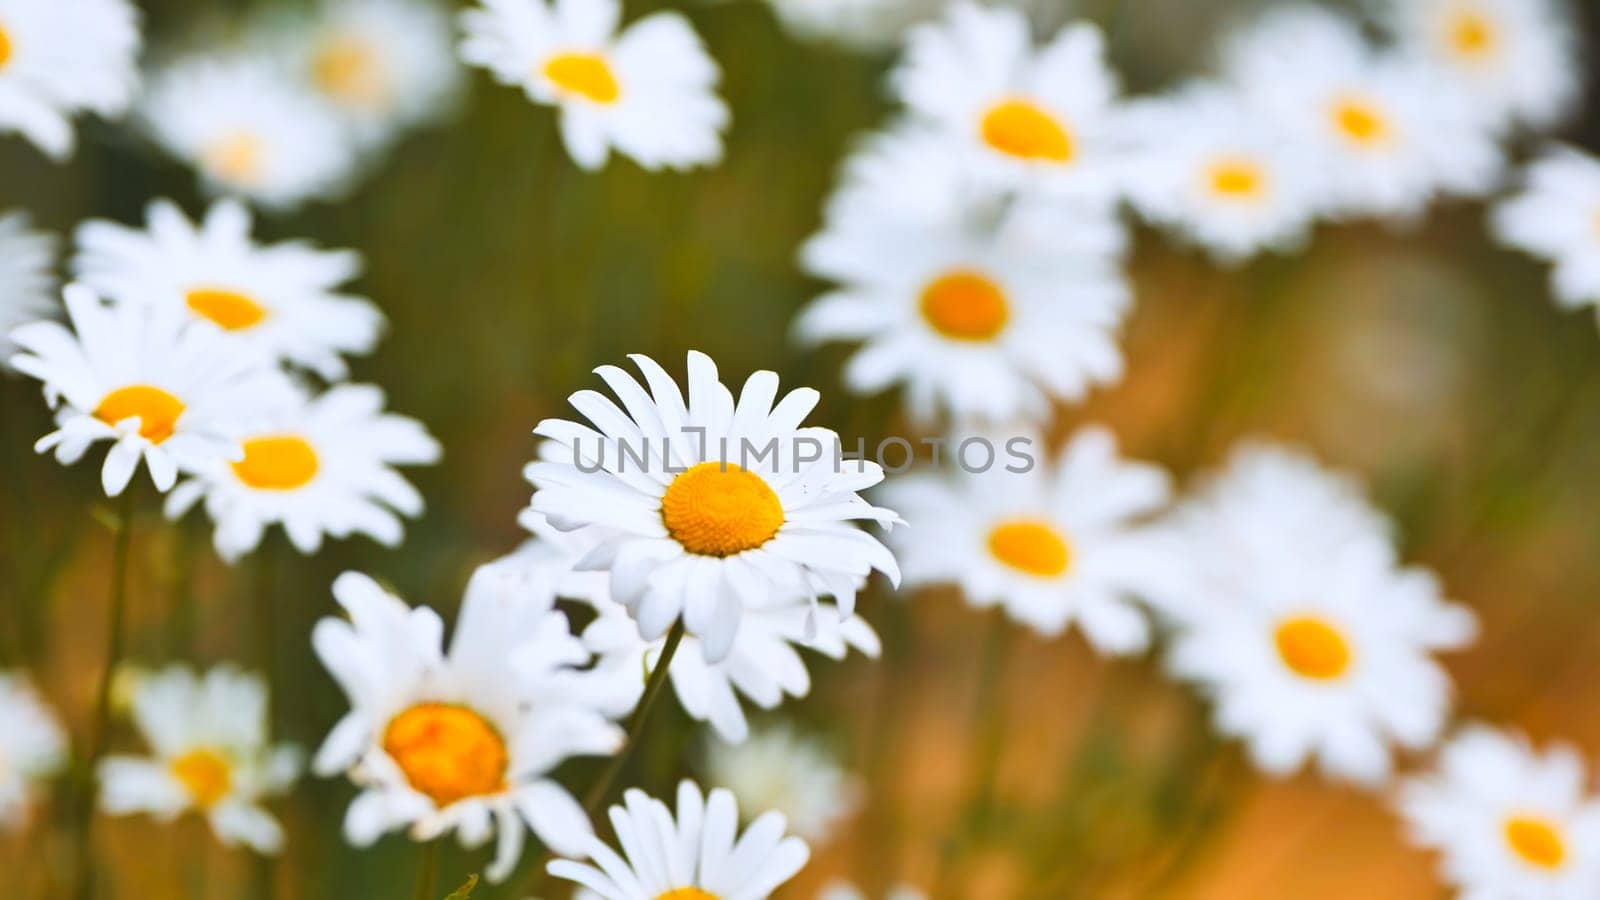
x=428, y=877
x=596, y=798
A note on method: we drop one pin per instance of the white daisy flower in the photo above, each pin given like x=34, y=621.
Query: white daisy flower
x=713, y=505
x=1041, y=117
x=316, y=466
x=170, y=392
x=249, y=128
x=463, y=740
x=1210, y=167
x=1557, y=218
x=778, y=769
x=1061, y=542
x=27, y=277
x=210, y=754
x=1381, y=131
x=843, y=890
x=61, y=58
x=1297, y=620
x=862, y=24
x=1516, y=61
x=1511, y=823
x=283, y=300
x=984, y=305
x=648, y=91
x=697, y=855
x=33, y=748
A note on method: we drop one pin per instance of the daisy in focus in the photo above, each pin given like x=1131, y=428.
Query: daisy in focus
x=696, y=855
x=1510, y=822
x=33, y=748
x=648, y=91
x=461, y=740
x=172, y=393
x=281, y=300
x=797, y=776
x=1059, y=543
x=62, y=58
x=1556, y=217
x=27, y=273
x=317, y=466
x=709, y=506
x=1296, y=619
x=210, y=755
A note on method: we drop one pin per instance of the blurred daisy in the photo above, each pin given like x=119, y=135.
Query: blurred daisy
x=281, y=299
x=1512, y=824
x=1557, y=218
x=316, y=466
x=1040, y=118
x=1208, y=167
x=841, y=890
x=1378, y=128
x=649, y=91
x=710, y=506
x=778, y=769
x=27, y=277
x=170, y=392
x=1297, y=620
x=1052, y=545
x=61, y=58
x=1516, y=61
x=697, y=855
x=211, y=754
x=462, y=740
x=33, y=748
x=864, y=24
x=249, y=128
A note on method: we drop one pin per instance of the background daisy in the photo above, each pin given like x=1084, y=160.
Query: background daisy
x=33, y=748
x=1555, y=218
x=27, y=273
x=62, y=58
x=777, y=768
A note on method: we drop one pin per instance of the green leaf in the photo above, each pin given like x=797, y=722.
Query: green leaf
x=465, y=891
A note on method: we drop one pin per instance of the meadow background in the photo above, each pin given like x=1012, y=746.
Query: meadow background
x=1429, y=360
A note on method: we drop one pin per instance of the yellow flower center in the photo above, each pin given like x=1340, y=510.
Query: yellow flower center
x=230, y=310
x=350, y=70
x=158, y=411
x=966, y=306
x=1237, y=179
x=236, y=157
x=6, y=50
x=1021, y=129
x=1536, y=841
x=277, y=463
x=688, y=893
x=717, y=509
x=1312, y=648
x=1034, y=547
x=205, y=774
x=1360, y=121
x=586, y=75
x=1472, y=34
x=447, y=752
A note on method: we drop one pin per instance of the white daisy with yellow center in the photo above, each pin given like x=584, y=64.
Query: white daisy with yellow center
x=1508, y=821
x=1060, y=543
x=61, y=58
x=463, y=740
x=284, y=301
x=712, y=505
x=33, y=748
x=799, y=776
x=171, y=392
x=1295, y=618
x=210, y=754
x=317, y=466
x=698, y=854
x=27, y=277
x=647, y=91
x=1556, y=217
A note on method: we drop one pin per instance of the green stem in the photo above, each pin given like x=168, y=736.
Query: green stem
x=428, y=877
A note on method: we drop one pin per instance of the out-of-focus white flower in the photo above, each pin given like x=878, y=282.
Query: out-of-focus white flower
x=1296, y=619
x=1511, y=823
x=27, y=277
x=863, y=24
x=59, y=58
x=211, y=754
x=33, y=748
x=1557, y=217
x=648, y=91
x=843, y=890
x=778, y=769
x=282, y=301
x=1052, y=542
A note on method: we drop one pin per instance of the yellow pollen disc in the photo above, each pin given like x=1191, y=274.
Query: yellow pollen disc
x=1036, y=548
x=1019, y=128
x=6, y=49
x=158, y=411
x=587, y=75
x=277, y=463
x=689, y=893
x=1312, y=648
x=717, y=509
x=1472, y=35
x=235, y=158
x=1237, y=179
x=1536, y=841
x=350, y=70
x=965, y=306
x=205, y=774
x=230, y=310
x=1360, y=121
x=447, y=752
